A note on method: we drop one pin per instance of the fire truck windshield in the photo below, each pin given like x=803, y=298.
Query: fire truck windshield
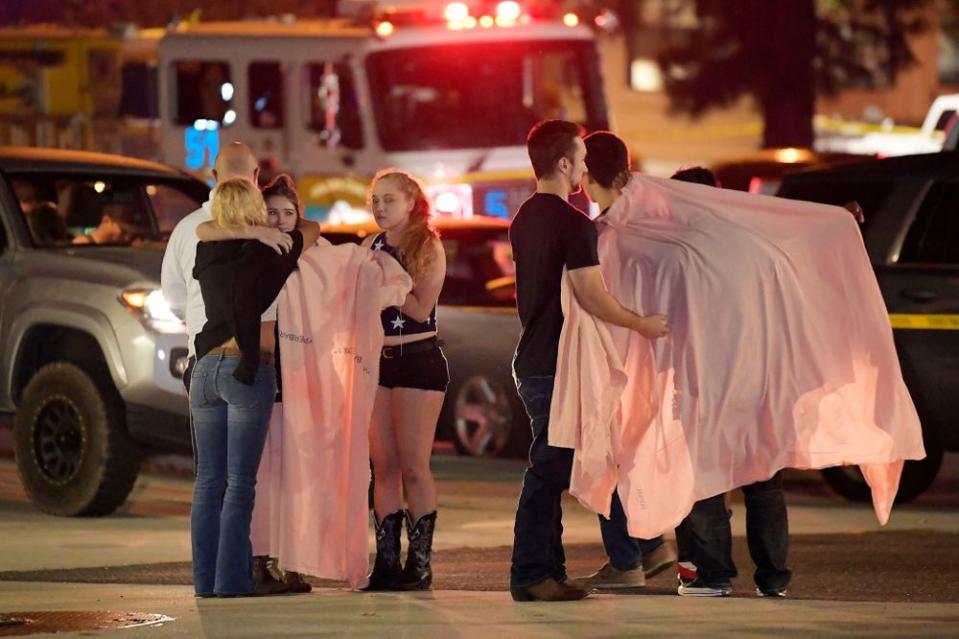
x=482, y=95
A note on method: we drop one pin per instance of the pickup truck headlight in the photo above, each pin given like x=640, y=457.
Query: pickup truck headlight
x=152, y=309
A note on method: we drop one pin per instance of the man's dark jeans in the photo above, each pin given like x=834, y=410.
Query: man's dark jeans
x=624, y=552
x=706, y=529
x=538, y=533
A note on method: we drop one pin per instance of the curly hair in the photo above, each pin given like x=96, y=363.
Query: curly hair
x=416, y=242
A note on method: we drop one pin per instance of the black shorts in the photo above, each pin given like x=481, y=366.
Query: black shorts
x=419, y=365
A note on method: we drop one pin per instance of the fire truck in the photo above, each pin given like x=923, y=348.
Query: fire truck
x=444, y=91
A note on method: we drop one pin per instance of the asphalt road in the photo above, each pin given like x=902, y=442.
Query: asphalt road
x=845, y=566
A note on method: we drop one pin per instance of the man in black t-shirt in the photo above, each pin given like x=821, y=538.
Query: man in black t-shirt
x=548, y=235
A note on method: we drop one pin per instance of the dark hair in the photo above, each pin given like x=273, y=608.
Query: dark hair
x=697, y=174
x=548, y=142
x=283, y=186
x=46, y=225
x=607, y=159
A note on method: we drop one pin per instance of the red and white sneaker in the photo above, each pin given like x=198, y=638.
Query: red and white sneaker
x=686, y=572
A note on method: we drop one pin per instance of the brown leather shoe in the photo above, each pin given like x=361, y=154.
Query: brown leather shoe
x=548, y=590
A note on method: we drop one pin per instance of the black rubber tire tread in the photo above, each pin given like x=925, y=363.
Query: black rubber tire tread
x=917, y=476
x=111, y=461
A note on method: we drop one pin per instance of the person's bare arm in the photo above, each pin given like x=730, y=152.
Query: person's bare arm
x=856, y=210
x=591, y=293
x=310, y=231
x=426, y=289
x=274, y=238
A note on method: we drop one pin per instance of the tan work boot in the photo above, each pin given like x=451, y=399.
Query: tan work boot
x=610, y=578
x=660, y=559
x=548, y=590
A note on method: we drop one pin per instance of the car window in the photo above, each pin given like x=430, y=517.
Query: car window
x=68, y=209
x=870, y=194
x=478, y=262
x=170, y=205
x=933, y=236
x=203, y=90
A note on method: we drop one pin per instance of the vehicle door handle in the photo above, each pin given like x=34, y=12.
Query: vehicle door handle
x=921, y=294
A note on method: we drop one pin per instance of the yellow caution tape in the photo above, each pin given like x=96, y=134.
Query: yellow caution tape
x=925, y=322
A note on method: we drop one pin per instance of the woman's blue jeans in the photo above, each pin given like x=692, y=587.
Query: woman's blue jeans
x=230, y=421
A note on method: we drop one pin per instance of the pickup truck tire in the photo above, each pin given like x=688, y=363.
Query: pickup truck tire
x=73, y=455
x=917, y=476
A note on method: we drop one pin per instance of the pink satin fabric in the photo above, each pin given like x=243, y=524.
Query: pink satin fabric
x=780, y=356
x=311, y=508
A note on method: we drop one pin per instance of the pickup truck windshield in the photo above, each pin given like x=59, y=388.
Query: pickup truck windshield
x=67, y=209
x=482, y=95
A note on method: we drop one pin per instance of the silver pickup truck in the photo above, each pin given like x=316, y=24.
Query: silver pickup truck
x=92, y=358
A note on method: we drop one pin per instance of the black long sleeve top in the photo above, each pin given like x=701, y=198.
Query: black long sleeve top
x=239, y=279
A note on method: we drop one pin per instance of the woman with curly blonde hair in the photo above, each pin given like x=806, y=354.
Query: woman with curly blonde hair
x=413, y=380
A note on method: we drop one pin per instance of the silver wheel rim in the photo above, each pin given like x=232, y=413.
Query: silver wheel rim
x=483, y=416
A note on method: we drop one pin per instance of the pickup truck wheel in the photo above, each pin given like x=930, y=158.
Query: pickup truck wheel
x=917, y=476
x=484, y=418
x=73, y=455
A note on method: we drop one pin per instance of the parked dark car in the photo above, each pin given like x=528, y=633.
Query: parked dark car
x=911, y=233
x=478, y=324
x=762, y=171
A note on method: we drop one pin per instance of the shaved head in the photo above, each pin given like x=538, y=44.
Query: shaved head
x=236, y=160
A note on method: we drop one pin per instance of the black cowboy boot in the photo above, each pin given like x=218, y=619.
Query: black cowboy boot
x=386, y=568
x=418, y=575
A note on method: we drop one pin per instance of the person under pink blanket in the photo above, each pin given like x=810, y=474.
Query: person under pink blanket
x=781, y=355
x=412, y=384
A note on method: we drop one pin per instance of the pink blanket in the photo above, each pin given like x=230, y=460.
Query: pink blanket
x=781, y=355
x=311, y=503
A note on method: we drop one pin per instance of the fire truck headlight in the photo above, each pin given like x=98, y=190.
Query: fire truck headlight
x=456, y=12
x=508, y=11
x=452, y=200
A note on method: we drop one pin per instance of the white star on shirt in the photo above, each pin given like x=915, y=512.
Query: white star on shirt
x=378, y=245
x=398, y=322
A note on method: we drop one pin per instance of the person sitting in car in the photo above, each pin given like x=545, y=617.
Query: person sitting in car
x=117, y=226
x=46, y=226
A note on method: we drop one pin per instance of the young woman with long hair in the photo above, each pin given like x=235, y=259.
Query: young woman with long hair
x=413, y=380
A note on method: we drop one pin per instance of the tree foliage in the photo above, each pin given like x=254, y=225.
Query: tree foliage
x=785, y=52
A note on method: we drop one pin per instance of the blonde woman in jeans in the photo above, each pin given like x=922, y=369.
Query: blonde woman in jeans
x=234, y=381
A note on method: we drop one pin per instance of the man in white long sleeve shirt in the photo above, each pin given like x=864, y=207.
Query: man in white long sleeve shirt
x=180, y=290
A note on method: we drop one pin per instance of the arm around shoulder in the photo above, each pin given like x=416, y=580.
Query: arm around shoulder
x=310, y=231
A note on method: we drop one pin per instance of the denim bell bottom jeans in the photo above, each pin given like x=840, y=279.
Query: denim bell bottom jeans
x=230, y=422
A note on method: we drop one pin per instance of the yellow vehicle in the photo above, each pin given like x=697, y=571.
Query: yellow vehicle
x=64, y=88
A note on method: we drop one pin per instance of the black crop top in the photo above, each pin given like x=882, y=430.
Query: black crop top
x=395, y=321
